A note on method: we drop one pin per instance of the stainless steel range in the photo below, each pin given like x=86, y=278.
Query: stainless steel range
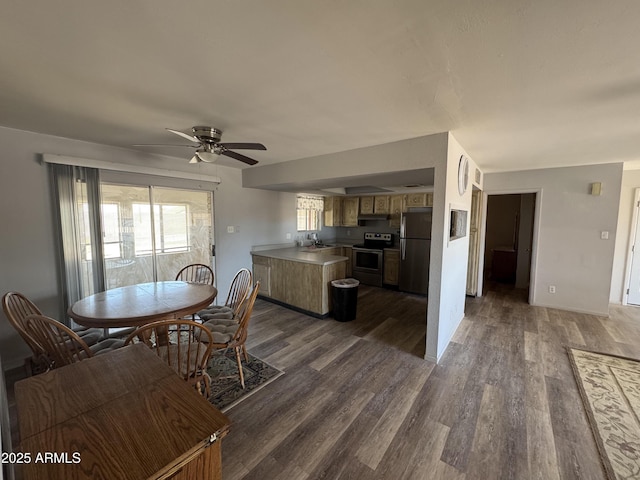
x=368, y=258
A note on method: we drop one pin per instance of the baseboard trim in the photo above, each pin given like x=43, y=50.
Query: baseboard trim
x=294, y=308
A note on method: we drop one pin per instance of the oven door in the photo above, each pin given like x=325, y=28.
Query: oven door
x=367, y=266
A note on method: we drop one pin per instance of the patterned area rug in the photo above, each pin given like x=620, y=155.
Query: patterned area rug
x=610, y=389
x=227, y=392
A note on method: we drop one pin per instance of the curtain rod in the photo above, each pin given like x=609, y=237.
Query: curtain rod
x=122, y=167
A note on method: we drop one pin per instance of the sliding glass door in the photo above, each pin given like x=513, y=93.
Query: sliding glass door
x=150, y=233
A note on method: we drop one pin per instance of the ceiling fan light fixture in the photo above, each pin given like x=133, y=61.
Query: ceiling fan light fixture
x=209, y=147
x=205, y=154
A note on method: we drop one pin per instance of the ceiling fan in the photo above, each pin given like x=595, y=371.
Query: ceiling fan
x=208, y=146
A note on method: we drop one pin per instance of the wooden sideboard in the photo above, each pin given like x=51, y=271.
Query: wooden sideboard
x=125, y=414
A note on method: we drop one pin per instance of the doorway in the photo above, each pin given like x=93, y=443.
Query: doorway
x=509, y=239
x=633, y=286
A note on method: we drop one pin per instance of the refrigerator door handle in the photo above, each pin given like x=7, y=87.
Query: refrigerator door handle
x=403, y=219
x=403, y=248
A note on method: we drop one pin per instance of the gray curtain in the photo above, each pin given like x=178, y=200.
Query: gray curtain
x=79, y=276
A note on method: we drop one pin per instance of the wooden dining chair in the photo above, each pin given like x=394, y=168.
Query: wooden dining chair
x=17, y=307
x=235, y=336
x=238, y=293
x=61, y=345
x=196, y=273
x=184, y=345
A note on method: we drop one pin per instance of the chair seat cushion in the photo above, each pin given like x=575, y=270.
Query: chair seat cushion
x=106, y=345
x=221, y=321
x=215, y=311
x=221, y=333
x=90, y=336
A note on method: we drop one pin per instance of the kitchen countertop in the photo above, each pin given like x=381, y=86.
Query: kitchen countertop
x=302, y=254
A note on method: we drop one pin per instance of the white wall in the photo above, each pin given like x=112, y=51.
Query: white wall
x=569, y=251
x=27, y=251
x=449, y=258
x=630, y=181
x=411, y=154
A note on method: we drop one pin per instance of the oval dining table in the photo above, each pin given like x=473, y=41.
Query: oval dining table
x=136, y=305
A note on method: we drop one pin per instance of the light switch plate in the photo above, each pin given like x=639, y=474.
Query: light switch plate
x=604, y=235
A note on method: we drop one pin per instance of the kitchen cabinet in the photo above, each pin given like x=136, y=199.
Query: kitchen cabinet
x=391, y=266
x=429, y=200
x=422, y=199
x=396, y=207
x=348, y=252
x=366, y=205
x=417, y=199
x=381, y=204
x=332, y=211
x=300, y=278
x=350, y=211
x=262, y=274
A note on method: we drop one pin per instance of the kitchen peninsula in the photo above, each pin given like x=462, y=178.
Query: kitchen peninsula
x=300, y=277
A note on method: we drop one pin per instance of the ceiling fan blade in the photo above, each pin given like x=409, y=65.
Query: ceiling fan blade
x=194, y=159
x=243, y=146
x=163, y=145
x=185, y=135
x=239, y=156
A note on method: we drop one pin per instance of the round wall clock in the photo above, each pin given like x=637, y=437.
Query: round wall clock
x=463, y=174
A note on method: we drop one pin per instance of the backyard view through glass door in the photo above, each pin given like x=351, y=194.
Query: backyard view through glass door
x=150, y=233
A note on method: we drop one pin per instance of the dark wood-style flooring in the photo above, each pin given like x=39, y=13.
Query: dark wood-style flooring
x=359, y=402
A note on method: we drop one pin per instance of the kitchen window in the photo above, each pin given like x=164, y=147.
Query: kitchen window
x=309, y=212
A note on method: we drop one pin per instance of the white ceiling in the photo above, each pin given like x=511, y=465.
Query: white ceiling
x=521, y=84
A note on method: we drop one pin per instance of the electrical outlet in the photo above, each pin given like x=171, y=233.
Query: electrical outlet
x=552, y=289
x=604, y=235
x=288, y=236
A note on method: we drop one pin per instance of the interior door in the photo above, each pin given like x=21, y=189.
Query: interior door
x=474, y=243
x=633, y=296
x=525, y=239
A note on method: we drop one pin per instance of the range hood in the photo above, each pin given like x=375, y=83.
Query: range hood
x=363, y=218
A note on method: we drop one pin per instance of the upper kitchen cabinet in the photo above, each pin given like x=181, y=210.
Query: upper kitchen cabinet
x=381, y=204
x=366, y=205
x=350, y=211
x=417, y=200
x=423, y=199
x=332, y=211
x=396, y=207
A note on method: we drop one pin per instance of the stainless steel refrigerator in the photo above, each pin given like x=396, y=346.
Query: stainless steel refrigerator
x=415, y=250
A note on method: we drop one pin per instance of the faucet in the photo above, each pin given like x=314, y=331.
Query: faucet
x=313, y=237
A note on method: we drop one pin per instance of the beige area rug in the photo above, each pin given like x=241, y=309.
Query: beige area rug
x=610, y=389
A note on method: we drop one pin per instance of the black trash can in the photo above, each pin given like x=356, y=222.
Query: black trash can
x=344, y=294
